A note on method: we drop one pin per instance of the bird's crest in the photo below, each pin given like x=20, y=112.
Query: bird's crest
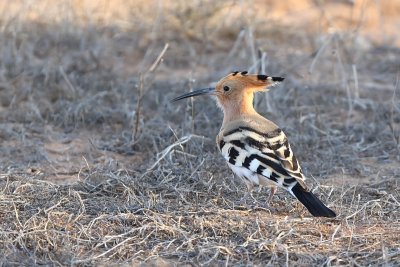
x=252, y=80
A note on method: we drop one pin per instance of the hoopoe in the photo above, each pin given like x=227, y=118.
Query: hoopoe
x=256, y=149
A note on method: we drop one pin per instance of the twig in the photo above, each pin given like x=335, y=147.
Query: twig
x=356, y=87
x=107, y=251
x=137, y=112
x=391, y=122
x=69, y=83
x=362, y=208
x=322, y=49
x=159, y=59
x=166, y=151
x=142, y=77
x=344, y=79
x=239, y=39
x=192, y=104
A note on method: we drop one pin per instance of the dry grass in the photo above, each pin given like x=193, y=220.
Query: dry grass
x=99, y=168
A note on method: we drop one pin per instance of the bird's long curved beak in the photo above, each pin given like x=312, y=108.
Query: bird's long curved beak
x=205, y=91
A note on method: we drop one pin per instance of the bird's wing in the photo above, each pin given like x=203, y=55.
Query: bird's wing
x=268, y=154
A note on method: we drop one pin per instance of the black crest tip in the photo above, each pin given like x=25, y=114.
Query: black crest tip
x=262, y=77
x=277, y=79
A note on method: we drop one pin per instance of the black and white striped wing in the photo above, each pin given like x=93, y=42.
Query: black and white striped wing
x=267, y=154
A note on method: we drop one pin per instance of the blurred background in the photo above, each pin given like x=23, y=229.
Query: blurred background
x=71, y=70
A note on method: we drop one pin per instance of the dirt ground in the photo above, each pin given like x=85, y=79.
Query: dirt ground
x=98, y=167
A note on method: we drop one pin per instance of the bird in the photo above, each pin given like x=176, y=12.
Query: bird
x=255, y=148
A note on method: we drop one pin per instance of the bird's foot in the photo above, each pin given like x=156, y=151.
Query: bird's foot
x=271, y=195
x=249, y=202
x=243, y=202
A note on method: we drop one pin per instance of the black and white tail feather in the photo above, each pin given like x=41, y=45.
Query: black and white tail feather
x=262, y=158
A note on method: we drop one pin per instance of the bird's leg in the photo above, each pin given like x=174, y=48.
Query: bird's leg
x=249, y=193
x=251, y=196
x=271, y=194
x=243, y=200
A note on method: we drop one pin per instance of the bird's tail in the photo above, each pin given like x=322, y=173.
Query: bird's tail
x=311, y=202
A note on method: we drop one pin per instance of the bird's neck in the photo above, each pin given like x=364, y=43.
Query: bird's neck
x=235, y=111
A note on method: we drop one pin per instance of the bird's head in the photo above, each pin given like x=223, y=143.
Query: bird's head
x=239, y=86
x=236, y=86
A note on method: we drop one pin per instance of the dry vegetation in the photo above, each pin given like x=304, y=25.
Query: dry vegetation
x=97, y=167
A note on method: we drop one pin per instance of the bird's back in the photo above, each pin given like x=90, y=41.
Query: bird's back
x=258, y=144
x=254, y=121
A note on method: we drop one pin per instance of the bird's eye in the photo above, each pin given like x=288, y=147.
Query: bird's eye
x=226, y=88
